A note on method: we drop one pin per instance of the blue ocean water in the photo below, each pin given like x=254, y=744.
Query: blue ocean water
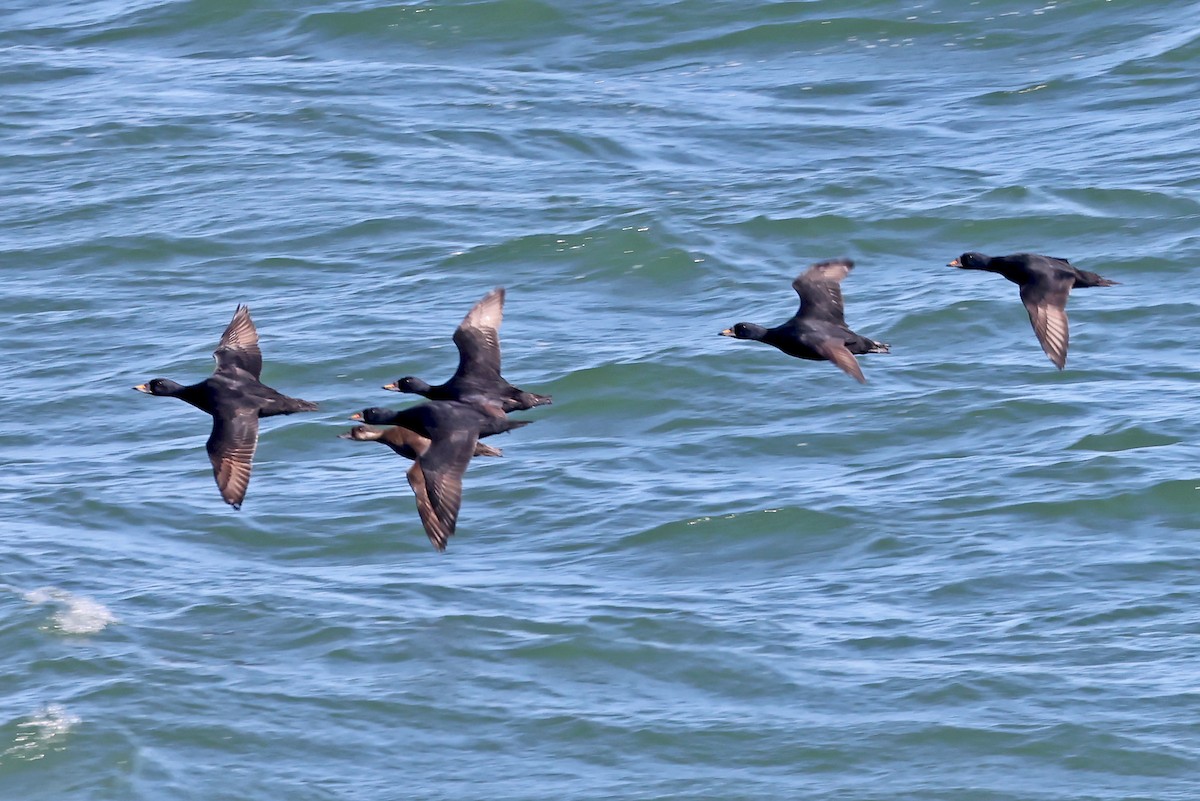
x=707, y=570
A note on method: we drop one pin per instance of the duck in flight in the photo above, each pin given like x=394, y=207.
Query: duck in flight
x=1046, y=283
x=818, y=330
x=236, y=398
x=440, y=437
x=477, y=379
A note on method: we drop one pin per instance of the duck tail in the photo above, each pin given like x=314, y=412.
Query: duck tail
x=288, y=405
x=1084, y=279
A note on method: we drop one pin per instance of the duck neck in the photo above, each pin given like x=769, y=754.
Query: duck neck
x=193, y=394
x=1013, y=271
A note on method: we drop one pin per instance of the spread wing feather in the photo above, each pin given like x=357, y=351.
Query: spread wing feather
x=434, y=528
x=1047, y=307
x=239, y=344
x=436, y=479
x=231, y=450
x=478, y=340
x=820, y=291
x=837, y=352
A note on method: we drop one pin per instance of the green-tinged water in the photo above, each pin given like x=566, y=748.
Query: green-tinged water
x=708, y=570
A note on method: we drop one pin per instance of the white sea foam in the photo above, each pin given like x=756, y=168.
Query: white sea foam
x=40, y=732
x=77, y=614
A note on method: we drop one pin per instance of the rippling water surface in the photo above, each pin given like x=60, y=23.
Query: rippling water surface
x=708, y=570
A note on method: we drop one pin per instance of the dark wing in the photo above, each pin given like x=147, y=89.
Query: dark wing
x=231, y=451
x=434, y=529
x=835, y=350
x=478, y=341
x=820, y=291
x=1046, y=301
x=436, y=480
x=239, y=344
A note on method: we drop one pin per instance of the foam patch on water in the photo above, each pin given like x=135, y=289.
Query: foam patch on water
x=77, y=614
x=42, y=732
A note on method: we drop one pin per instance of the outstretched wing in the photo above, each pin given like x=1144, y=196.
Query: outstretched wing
x=478, y=340
x=436, y=480
x=434, y=529
x=835, y=350
x=231, y=451
x=820, y=290
x=1046, y=302
x=239, y=344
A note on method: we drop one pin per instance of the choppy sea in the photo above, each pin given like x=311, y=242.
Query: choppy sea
x=708, y=570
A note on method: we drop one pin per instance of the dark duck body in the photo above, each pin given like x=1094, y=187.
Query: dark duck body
x=441, y=437
x=408, y=444
x=379, y=416
x=1046, y=283
x=236, y=398
x=477, y=379
x=818, y=330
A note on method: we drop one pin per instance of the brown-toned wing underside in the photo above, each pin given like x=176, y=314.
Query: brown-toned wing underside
x=837, y=352
x=231, y=451
x=478, y=340
x=820, y=291
x=239, y=344
x=1047, y=307
x=437, y=531
x=436, y=480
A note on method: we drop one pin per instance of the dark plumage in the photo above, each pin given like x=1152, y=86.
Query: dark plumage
x=408, y=444
x=379, y=416
x=235, y=398
x=477, y=379
x=818, y=330
x=1046, y=283
x=441, y=437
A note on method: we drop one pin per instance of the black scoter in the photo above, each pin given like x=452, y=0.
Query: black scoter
x=1046, y=282
x=818, y=330
x=452, y=430
x=477, y=379
x=236, y=398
